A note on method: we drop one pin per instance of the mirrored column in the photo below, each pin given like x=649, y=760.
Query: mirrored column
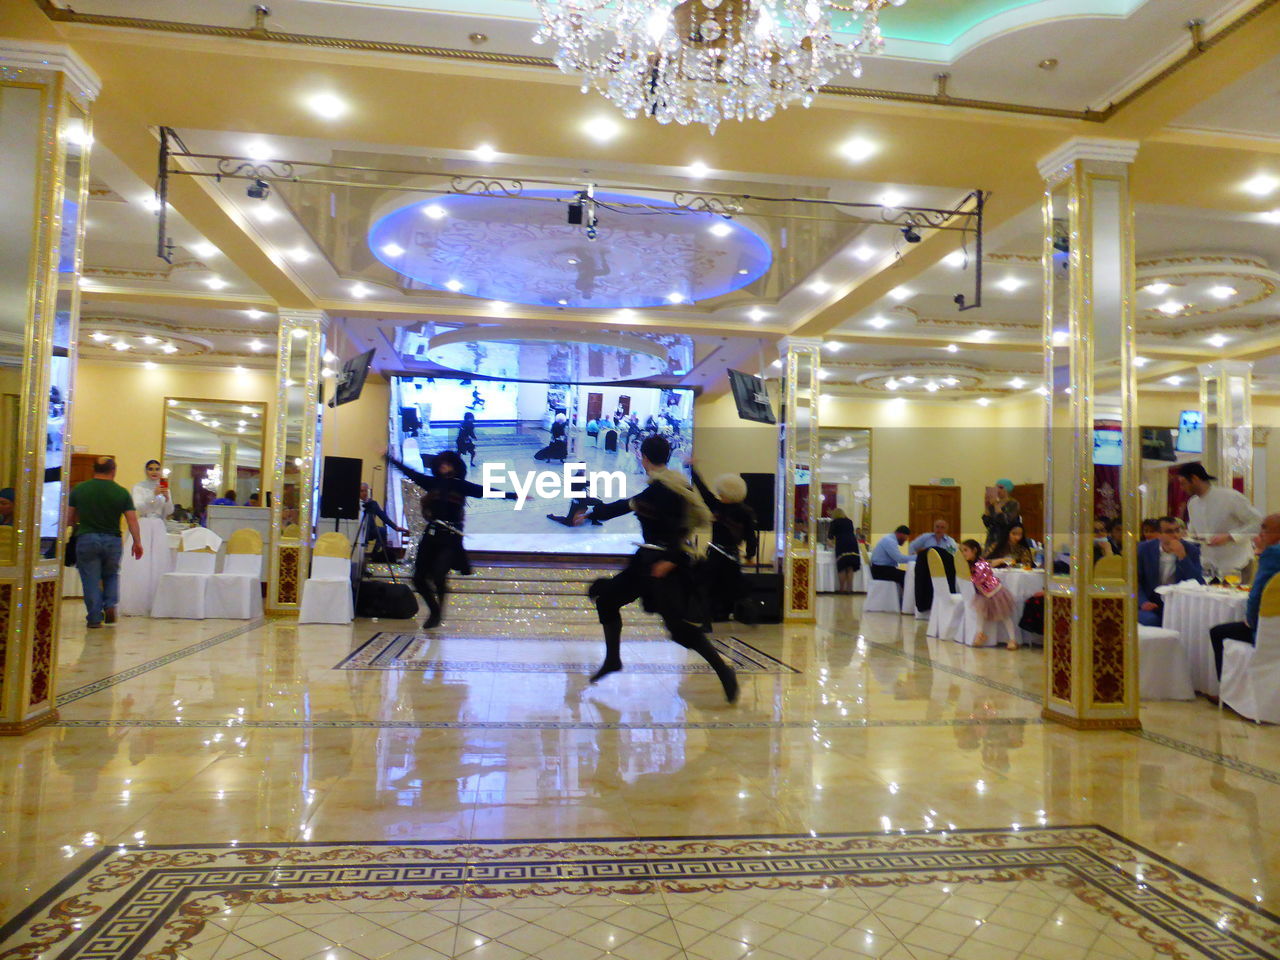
x=45, y=136
x=1091, y=649
x=1226, y=403
x=798, y=508
x=295, y=475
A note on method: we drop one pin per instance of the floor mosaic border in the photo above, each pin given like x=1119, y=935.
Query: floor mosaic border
x=125, y=898
x=88, y=689
x=386, y=651
x=810, y=725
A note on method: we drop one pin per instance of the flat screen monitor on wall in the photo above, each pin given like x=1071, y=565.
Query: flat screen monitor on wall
x=1190, y=432
x=752, y=397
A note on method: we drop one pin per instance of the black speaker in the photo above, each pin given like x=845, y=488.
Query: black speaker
x=765, y=595
x=340, y=488
x=760, y=487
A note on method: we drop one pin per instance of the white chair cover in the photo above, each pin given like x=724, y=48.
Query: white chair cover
x=326, y=596
x=200, y=538
x=882, y=597
x=945, y=604
x=183, y=594
x=1251, y=675
x=236, y=592
x=909, y=591
x=1164, y=673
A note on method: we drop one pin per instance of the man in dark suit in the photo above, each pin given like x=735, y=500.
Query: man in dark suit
x=1166, y=559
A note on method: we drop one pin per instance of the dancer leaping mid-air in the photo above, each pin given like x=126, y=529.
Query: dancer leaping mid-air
x=659, y=574
x=444, y=508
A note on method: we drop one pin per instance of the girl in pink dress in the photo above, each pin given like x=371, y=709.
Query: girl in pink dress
x=991, y=601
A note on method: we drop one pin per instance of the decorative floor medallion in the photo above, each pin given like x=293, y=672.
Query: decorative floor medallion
x=644, y=654
x=1046, y=893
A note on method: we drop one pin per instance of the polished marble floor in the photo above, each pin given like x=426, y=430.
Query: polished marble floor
x=225, y=789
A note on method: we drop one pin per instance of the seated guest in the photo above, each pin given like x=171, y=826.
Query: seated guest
x=938, y=538
x=7, y=496
x=1012, y=550
x=228, y=499
x=1151, y=529
x=1267, y=545
x=1115, y=535
x=1168, y=559
x=887, y=556
x=1101, y=539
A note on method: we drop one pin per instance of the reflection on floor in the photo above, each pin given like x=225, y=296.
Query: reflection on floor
x=217, y=790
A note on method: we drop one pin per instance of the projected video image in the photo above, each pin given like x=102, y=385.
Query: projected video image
x=525, y=437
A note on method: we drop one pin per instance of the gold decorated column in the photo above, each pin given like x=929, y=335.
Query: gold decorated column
x=1091, y=649
x=1226, y=401
x=45, y=134
x=798, y=507
x=296, y=469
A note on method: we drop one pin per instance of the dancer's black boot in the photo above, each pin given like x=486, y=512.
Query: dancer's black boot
x=612, y=651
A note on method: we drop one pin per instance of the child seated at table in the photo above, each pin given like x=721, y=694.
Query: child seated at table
x=991, y=601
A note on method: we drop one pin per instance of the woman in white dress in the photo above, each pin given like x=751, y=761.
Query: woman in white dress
x=138, y=578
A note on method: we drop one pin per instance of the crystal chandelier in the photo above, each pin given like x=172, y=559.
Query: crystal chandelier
x=704, y=61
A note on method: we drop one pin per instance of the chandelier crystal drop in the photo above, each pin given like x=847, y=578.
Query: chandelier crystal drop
x=704, y=61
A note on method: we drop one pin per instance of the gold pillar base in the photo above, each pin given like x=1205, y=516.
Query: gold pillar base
x=1091, y=723
x=29, y=724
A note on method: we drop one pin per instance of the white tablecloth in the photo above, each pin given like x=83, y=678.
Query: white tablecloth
x=909, y=591
x=826, y=582
x=1022, y=586
x=1192, y=610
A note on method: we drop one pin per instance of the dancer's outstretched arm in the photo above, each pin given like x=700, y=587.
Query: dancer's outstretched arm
x=609, y=511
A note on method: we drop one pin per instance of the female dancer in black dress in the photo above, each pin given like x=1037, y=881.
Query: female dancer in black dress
x=466, y=441
x=659, y=573
x=732, y=526
x=558, y=448
x=444, y=508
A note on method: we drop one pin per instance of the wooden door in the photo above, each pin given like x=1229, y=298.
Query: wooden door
x=927, y=504
x=625, y=403
x=595, y=403
x=82, y=467
x=1030, y=497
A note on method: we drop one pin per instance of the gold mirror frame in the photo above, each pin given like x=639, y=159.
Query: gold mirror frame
x=254, y=406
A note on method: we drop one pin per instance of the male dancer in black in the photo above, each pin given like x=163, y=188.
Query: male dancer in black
x=444, y=508
x=658, y=574
x=466, y=441
x=733, y=524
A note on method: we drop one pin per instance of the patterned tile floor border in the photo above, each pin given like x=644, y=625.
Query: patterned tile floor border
x=699, y=897
x=404, y=651
x=810, y=725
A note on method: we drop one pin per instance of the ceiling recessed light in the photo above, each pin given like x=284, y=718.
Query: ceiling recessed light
x=299, y=332
x=299, y=254
x=1271, y=216
x=254, y=314
x=950, y=381
x=120, y=345
x=563, y=302
x=1170, y=308
x=698, y=169
x=1264, y=184
x=857, y=149
x=100, y=336
x=1042, y=390
x=453, y=284
x=215, y=283
x=169, y=348
x=952, y=348
x=75, y=131
x=743, y=272
x=983, y=401
x=1173, y=381
x=777, y=363
x=834, y=346
x=150, y=341
x=204, y=249
x=931, y=387
x=601, y=129
x=151, y=202
x=329, y=356
x=1009, y=284
x=756, y=314
x=1222, y=292
x=1158, y=288
x=675, y=297
x=326, y=372
x=149, y=365
x=1140, y=361
x=819, y=287
x=264, y=213
x=902, y=293
x=891, y=198
x=1218, y=340
x=498, y=306
x=258, y=150
x=239, y=429
x=910, y=379
x=1017, y=383
x=359, y=290
x=393, y=250
x=721, y=229
x=879, y=322
x=257, y=345
x=824, y=374
x=434, y=211
x=891, y=384
x=327, y=105
x=573, y=261
x=863, y=252
x=956, y=258
x=485, y=153
x=1060, y=338
x=984, y=335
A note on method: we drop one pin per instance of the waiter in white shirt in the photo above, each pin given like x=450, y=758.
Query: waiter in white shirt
x=1221, y=519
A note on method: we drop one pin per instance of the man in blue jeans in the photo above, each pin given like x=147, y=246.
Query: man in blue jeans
x=94, y=509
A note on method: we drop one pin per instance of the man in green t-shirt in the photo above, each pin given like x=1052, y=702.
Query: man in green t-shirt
x=94, y=509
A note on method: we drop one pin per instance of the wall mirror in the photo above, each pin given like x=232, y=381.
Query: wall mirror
x=844, y=477
x=212, y=448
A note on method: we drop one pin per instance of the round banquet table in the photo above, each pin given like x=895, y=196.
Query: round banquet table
x=1022, y=585
x=1192, y=610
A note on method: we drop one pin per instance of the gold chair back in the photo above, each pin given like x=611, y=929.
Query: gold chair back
x=962, y=567
x=291, y=531
x=332, y=544
x=245, y=540
x=1270, y=603
x=1109, y=568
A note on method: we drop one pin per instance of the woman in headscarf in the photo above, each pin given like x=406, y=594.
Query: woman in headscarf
x=139, y=578
x=1001, y=513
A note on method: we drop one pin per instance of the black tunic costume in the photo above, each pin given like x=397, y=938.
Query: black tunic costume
x=444, y=508
x=465, y=444
x=558, y=448
x=661, y=512
x=733, y=525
